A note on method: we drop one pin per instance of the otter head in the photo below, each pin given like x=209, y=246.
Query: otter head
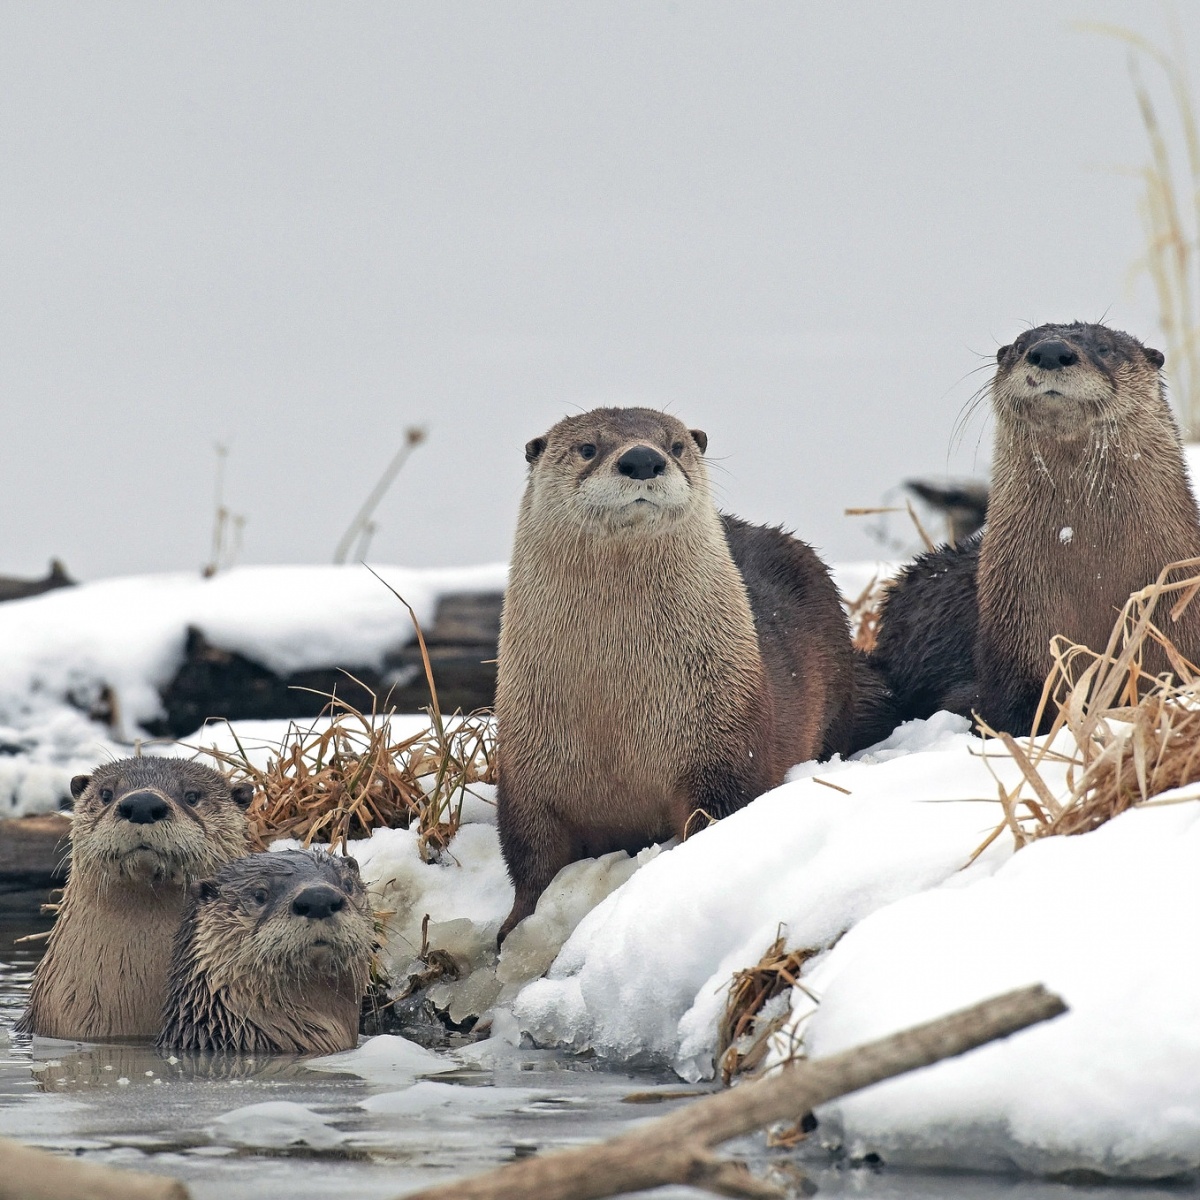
x=617, y=469
x=281, y=917
x=1061, y=380
x=157, y=820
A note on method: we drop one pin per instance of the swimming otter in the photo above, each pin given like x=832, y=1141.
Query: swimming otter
x=1089, y=501
x=143, y=829
x=272, y=957
x=657, y=660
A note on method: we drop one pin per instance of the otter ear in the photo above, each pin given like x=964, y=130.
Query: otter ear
x=207, y=891
x=79, y=785
x=351, y=864
x=700, y=438
x=1156, y=357
x=534, y=448
x=242, y=794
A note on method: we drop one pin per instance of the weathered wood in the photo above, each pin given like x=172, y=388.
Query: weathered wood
x=678, y=1148
x=33, y=852
x=215, y=683
x=30, y=1174
x=21, y=589
x=467, y=618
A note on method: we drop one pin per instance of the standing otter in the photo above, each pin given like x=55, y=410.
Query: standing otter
x=272, y=957
x=1089, y=501
x=657, y=660
x=144, y=828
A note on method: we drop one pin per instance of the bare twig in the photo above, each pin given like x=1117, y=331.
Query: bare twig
x=678, y=1148
x=362, y=526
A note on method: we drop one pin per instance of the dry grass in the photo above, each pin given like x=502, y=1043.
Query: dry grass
x=1131, y=735
x=742, y=1038
x=352, y=776
x=1170, y=210
x=865, y=612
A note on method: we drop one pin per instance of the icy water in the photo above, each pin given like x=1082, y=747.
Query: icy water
x=127, y=1105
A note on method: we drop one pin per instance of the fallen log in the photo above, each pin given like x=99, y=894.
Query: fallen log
x=215, y=683
x=30, y=1174
x=12, y=588
x=34, y=852
x=678, y=1148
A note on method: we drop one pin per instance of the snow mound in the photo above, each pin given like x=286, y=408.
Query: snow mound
x=1108, y=921
x=644, y=976
x=274, y=1125
x=388, y=1059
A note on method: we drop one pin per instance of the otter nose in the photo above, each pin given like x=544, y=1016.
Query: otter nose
x=143, y=808
x=318, y=902
x=641, y=462
x=1051, y=355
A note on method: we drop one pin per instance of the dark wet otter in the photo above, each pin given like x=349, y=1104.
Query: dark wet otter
x=657, y=660
x=143, y=830
x=272, y=957
x=1089, y=501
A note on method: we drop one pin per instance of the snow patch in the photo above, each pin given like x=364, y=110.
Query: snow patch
x=274, y=1125
x=644, y=975
x=1105, y=920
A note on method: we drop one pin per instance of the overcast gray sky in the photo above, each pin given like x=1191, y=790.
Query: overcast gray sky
x=299, y=228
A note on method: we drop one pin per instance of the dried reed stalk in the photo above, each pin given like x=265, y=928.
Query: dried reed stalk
x=865, y=611
x=1131, y=735
x=1170, y=212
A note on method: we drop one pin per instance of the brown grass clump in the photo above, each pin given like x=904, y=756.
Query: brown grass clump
x=353, y=776
x=1134, y=735
x=741, y=1043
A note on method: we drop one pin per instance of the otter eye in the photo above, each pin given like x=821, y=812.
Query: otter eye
x=191, y=799
x=261, y=895
x=1104, y=351
x=587, y=450
x=677, y=449
x=106, y=795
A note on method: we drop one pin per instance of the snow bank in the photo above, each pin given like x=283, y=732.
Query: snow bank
x=59, y=650
x=1108, y=920
x=464, y=896
x=645, y=973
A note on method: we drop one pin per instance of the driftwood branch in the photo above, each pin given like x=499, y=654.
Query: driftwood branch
x=678, y=1148
x=30, y=1174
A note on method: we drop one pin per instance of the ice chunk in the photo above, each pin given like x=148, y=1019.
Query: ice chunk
x=274, y=1125
x=388, y=1059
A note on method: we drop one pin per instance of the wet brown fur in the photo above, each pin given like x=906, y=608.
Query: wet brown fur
x=1101, y=458
x=104, y=973
x=248, y=975
x=654, y=665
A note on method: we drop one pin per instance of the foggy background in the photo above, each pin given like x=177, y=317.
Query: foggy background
x=300, y=228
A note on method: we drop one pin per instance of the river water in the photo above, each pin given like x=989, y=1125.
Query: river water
x=127, y=1105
